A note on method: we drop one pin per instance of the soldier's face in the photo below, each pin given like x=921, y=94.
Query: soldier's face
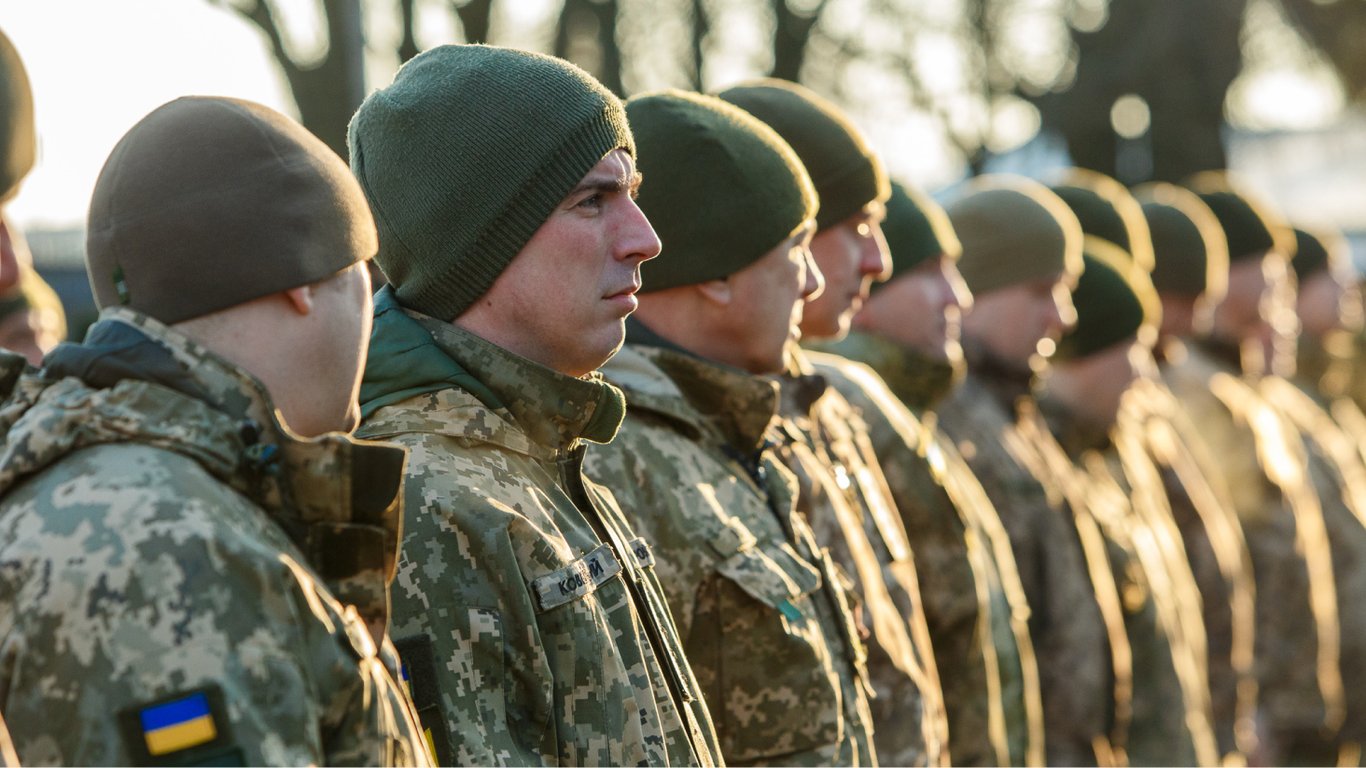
x=1022, y=323
x=1327, y=303
x=921, y=309
x=563, y=300
x=767, y=301
x=850, y=255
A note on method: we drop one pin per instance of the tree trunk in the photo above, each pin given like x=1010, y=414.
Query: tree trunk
x=476, y=16
x=791, y=31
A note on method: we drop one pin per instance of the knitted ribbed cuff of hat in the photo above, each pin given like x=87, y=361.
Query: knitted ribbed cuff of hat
x=916, y=229
x=466, y=154
x=1013, y=230
x=723, y=189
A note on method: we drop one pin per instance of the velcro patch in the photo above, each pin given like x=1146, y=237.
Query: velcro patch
x=578, y=579
x=419, y=680
x=187, y=728
x=645, y=558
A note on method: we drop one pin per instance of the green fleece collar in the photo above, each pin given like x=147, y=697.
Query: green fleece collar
x=413, y=354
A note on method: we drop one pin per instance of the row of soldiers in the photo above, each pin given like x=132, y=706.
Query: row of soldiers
x=682, y=436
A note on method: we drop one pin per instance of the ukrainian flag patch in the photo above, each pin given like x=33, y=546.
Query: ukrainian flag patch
x=187, y=728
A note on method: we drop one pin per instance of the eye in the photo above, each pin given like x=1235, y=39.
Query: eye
x=592, y=202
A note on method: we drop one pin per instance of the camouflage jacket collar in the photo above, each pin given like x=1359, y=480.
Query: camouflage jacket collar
x=1006, y=382
x=136, y=381
x=1075, y=434
x=536, y=409
x=706, y=398
x=801, y=386
x=918, y=380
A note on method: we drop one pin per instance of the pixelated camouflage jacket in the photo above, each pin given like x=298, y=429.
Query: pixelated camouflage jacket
x=1265, y=469
x=165, y=541
x=1123, y=493
x=1153, y=431
x=765, y=622
x=1071, y=643
x=844, y=496
x=545, y=634
x=974, y=603
x=1335, y=465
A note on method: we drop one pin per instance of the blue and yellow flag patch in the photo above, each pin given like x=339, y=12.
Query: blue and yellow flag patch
x=187, y=728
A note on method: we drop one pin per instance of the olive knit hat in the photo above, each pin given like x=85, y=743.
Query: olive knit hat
x=916, y=229
x=1107, y=210
x=1250, y=226
x=847, y=174
x=1013, y=230
x=1322, y=249
x=724, y=189
x=211, y=202
x=18, y=135
x=466, y=154
x=1190, y=252
x=1114, y=300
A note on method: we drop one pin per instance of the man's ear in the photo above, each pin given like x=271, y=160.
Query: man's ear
x=716, y=291
x=301, y=299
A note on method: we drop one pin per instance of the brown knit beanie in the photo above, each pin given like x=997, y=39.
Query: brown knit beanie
x=18, y=135
x=1013, y=230
x=211, y=202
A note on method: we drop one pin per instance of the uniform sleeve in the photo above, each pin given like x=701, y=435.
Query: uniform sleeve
x=460, y=596
x=155, y=622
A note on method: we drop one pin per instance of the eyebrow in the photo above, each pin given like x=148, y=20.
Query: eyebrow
x=610, y=184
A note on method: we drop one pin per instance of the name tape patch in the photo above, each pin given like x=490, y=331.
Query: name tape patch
x=578, y=579
x=645, y=557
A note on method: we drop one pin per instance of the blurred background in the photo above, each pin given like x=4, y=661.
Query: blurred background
x=1274, y=90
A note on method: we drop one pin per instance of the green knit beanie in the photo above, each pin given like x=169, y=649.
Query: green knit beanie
x=1107, y=210
x=916, y=229
x=1322, y=249
x=1250, y=227
x=211, y=202
x=1013, y=230
x=466, y=154
x=1114, y=300
x=844, y=169
x=724, y=189
x=18, y=134
x=1189, y=247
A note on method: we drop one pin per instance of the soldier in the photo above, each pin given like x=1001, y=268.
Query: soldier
x=1190, y=270
x=190, y=551
x=826, y=443
x=908, y=332
x=533, y=622
x=1096, y=373
x=759, y=604
x=1266, y=467
x=1021, y=253
x=18, y=147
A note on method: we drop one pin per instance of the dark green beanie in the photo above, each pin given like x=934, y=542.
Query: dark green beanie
x=1319, y=250
x=1250, y=227
x=1189, y=247
x=1013, y=230
x=18, y=135
x=844, y=169
x=1107, y=210
x=466, y=154
x=211, y=202
x=1114, y=302
x=916, y=229
x=723, y=188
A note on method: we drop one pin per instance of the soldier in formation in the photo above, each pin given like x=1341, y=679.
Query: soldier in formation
x=1028, y=479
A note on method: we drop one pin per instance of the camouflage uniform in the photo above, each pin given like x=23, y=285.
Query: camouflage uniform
x=1076, y=677
x=1265, y=469
x=974, y=603
x=1153, y=427
x=762, y=614
x=164, y=541
x=844, y=496
x=546, y=634
x=1121, y=491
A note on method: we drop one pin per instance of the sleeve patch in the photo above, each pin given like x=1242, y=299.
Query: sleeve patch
x=419, y=680
x=576, y=580
x=187, y=728
x=645, y=557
